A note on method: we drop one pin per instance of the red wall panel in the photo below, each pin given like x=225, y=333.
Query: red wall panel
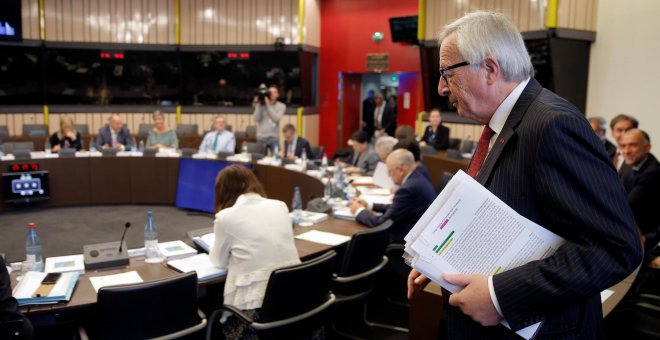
x=346, y=30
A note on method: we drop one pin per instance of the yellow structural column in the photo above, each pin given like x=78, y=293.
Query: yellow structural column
x=420, y=119
x=300, y=121
x=42, y=37
x=177, y=40
x=421, y=21
x=551, y=14
x=301, y=21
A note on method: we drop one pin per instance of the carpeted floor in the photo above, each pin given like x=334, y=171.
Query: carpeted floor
x=63, y=231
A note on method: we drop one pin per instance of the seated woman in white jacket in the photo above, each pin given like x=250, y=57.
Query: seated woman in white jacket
x=253, y=236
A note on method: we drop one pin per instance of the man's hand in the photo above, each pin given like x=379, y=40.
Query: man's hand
x=474, y=299
x=356, y=204
x=655, y=263
x=416, y=283
x=56, y=148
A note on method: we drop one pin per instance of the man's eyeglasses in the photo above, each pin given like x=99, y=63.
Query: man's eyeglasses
x=443, y=70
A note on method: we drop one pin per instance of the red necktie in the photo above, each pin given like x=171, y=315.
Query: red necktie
x=481, y=152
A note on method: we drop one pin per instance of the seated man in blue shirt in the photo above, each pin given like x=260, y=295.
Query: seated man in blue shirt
x=218, y=140
x=414, y=195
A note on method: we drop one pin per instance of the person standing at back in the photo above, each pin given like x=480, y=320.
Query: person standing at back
x=267, y=115
x=538, y=154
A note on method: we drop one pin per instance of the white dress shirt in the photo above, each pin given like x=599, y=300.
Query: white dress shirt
x=226, y=142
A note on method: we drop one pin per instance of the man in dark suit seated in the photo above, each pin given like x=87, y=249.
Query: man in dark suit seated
x=294, y=146
x=599, y=125
x=114, y=135
x=640, y=175
x=538, y=154
x=411, y=199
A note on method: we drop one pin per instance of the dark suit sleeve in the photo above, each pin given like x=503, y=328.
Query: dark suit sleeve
x=8, y=305
x=602, y=246
x=53, y=140
x=77, y=144
x=425, y=136
x=441, y=141
x=128, y=140
x=404, y=198
x=308, y=149
x=101, y=139
x=642, y=200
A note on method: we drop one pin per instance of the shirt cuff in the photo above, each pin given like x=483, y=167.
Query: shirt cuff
x=493, y=297
x=357, y=212
x=370, y=205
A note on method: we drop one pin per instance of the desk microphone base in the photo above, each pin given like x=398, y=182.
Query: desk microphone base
x=103, y=255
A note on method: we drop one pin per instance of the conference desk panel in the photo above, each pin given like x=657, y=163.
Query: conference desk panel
x=279, y=183
x=153, y=180
x=438, y=163
x=110, y=180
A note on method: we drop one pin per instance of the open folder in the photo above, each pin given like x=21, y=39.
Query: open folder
x=24, y=292
x=469, y=230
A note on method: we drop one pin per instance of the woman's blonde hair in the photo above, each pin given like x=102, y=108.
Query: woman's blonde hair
x=66, y=120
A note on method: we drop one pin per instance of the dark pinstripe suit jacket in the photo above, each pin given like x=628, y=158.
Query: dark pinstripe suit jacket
x=549, y=166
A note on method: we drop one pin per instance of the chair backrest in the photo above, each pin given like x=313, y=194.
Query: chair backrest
x=186, y=129
x=147, y=310
x=428, y=150
x=444, y=179
x=4, y=132
x=468, y=146
x=298, y=289
x=454, y=143
x=12, y=147
x=240, y=134
x=259, y=148
x=83, y=129
x=144, y=128
x=35, y=130
x=317, y=151
x=365, y=250
x=251, y=131
x=12, y=330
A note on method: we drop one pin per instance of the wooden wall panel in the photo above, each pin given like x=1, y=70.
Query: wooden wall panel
x=109, y=21
x=577, y=14
x=524, y=13
x=312, y=23
x=238, y=22
x=30, y=18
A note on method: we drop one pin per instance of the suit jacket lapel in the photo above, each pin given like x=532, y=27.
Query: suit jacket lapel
x=528, y=95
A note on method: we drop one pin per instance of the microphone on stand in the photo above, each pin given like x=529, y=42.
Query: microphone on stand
x=121, y=242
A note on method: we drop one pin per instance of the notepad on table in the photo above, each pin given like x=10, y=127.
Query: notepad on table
x=199, y=263
x=323, y=237
x=114, y=280
x=31, y=281
x=344, y=213
x=205, y=241
x=63, y=264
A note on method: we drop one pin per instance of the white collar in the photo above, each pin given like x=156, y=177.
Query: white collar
x=500, y=116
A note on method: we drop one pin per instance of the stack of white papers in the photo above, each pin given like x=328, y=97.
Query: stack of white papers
x=467, y=229
x=114, y=280
x=63, y=264
x=323, y=237
x=361, y=180
x=382, y=176
x=199, y=263
x=205, y=241
x=343, y=213
x=311, y=217
x=375, y=191
x=176, y=250
x=28, y=285
x=204, y=155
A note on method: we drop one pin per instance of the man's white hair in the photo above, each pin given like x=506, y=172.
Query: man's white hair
x=401, y=157
x=384, y=145
x=490, y=34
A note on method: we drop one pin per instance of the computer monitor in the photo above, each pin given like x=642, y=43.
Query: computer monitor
x=25, y=187
x=404, y=29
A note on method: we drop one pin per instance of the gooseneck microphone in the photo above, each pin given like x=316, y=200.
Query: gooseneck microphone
x=121, y=242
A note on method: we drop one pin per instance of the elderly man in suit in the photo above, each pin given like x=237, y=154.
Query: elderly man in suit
x=411, y=199
x=114, y=135
x=294, y=146
x=640, y=175
x=539, y=155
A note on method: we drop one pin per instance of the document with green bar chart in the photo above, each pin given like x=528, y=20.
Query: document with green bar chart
x=469, y=230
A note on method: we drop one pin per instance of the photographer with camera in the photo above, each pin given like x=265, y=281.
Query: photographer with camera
x=267, y=114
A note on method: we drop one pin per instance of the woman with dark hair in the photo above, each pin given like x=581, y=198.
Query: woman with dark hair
x=253, y=236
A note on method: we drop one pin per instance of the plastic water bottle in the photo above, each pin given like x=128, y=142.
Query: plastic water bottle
x=92, y=145
x=324, y=160
x=133, y=145
x=47, y=148
x=327, y=191
x=276, y=152
x=141, y=148
x=151, y=240
x=33, y=252
x=296, y=206
x=244, y=150
x=303, y=159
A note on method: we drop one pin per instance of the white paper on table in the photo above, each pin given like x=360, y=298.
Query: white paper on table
x=604, y=295
x=199, y=263
x=343, y=213
x=114, y=280
x=375, y=191
x=467, y=229
x=323, y=237
x=31, y=281
x=382, y=177
x=362, y=180
x=61, y=264
x=375, y=199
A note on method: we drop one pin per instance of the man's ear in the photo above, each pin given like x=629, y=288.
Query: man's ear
x=492, y=70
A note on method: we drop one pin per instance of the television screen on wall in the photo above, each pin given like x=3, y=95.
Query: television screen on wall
x=10, y=20
x=20, y=75
x=404, y=29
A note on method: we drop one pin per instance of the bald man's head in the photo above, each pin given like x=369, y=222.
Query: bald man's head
x=115, y=122
x=635, y=146
x=400, y=163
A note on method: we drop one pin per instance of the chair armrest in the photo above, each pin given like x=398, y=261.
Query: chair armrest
x=345, y=279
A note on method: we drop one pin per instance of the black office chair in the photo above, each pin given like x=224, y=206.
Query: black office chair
x=144, y=128
x=468, y=146
x=164, y=309
x=13, y=147
x=317, y=151
x=251, y=131
x=4, y=132
x=83, y=129
x=637, y=318
x=444, y=179
x=35, y=130
x=186, y=129
x=454, y=143
x=296, y=301
x=14, y=330
x=258, y=148
x=358, y=274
